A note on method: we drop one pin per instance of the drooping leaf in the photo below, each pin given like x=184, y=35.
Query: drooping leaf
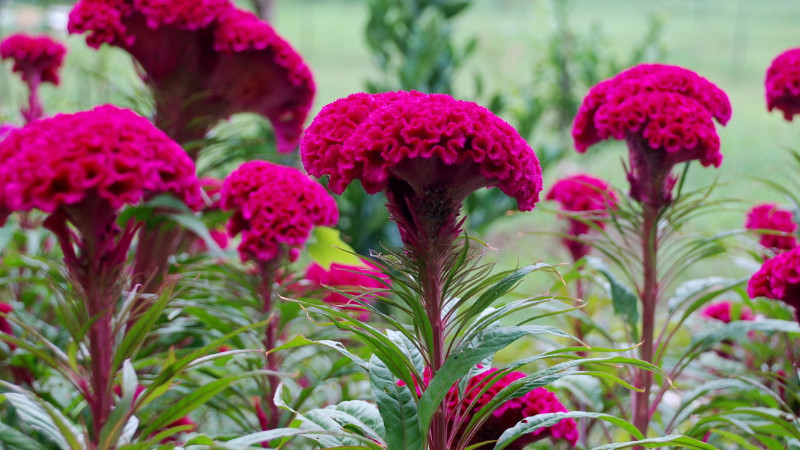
x=625, y=301
x=533, y=423
x=398, y=408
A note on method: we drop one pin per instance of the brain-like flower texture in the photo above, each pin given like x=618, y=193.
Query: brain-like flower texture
x=782, y=83
x=274, y=207
x=665, y=113
x=769, y=216
x=723, y=310
x=422, y=141
x=106, y=153
x=352, y=280
x=778, y=279
x=37, y=59
x=205, y=60
x=537, y=401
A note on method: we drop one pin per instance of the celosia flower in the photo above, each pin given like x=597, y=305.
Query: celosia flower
x=770, y=216
x=782, y=83
x=778, y=279
x=38, y=60
x=582, y=193
x=205, y=60
x=427, y=152
x=665, y=114
x=352, y=280
x=275, y=208
x=722, y=311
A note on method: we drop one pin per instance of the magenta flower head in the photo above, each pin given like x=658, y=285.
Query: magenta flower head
x=584, y=194
x=204, y=60
x=783, y=83
x=38, y=60
x=770, y=216
x=537, y=401
x=274, y=207
x=353, y=280
x=664, y=113
x=722, y=311
x=779, y=279
x=427, y=152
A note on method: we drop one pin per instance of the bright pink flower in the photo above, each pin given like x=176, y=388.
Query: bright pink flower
x=770, y=216
x=783, y=83
x=421, y=141
x=664, y=113
x=37, y=59
x=274, y=207
x=583, y=193
x=205, y=60
x=353, y=280
x=106, y=153
x=722, y=311
x=778, y=279
x=537, y=401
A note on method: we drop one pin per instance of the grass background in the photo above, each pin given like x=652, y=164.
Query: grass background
x=730, y=42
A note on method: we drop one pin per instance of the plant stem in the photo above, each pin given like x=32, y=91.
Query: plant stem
x=267, y=273
x=649, y=296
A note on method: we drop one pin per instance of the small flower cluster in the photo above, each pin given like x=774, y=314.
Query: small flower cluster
x=722, y=311
x=782, y=83
x=423, y=141
x=769, y=216
x=583, y=193
x=537, y=401
x=37, y=59
x=352, y=280
x=274, y=206
x=778, y=279
x=106, y=152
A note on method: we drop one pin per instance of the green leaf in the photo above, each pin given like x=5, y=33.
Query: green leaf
x=299, y=341
x=501, y=288
x=196, y=226
x=139, y=330
x=533, y=423
x=625, y=301
x=117, y=421
x=691, y=288
x=43, y=417
x=326, y=247
x=16, y=439
x=681, y=441
x=397, y=407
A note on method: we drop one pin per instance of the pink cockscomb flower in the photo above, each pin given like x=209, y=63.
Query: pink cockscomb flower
x=722, y=311
x=782, y=83
x=583, y=194
x=537, y=401
x=274, y=207
x=204, y=60
x=352, y=280
x=779, y=279
x=427, y=152
x=38, y=60
x=770, y=216
x=665, y=114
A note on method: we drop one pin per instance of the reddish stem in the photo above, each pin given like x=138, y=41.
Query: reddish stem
x=267, y=272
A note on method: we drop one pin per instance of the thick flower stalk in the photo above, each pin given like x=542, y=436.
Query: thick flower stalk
x=666, y=116
x=38, y=60
x=274, y=209
x=779, y=279
x=582, y=194
x=81, y=169
x=782, y=83
x=204, y=61
x=427, y=153
x=353, y=281
x=769, y=216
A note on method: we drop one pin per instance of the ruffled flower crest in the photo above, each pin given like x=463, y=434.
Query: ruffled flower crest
x=665, y=114
x=274, y=208
x=779, y=279
x=782, y=83
x=723, y=311
x=769, y=216
x=205, y=60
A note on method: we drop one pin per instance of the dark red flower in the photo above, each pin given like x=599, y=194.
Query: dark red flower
x=782, y=83
x=778, y=279
x=5, y=325
x=769, y=216
x=352, y=280
x=585, y=194
x=665, y=114
x=205, y=60
x=37, y=59
x=274, y=207
x=722, y=311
